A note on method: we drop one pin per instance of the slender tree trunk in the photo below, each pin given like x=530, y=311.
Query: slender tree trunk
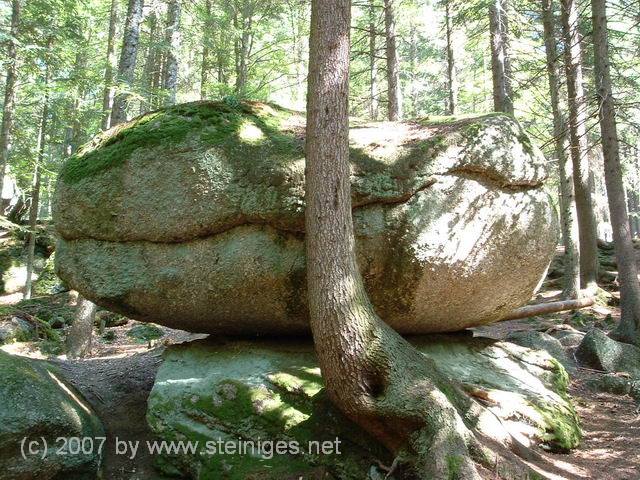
x=500, y=65
x=629, y=327
x=242, y=48
x=452, y=77
x=506, y=46
x=35, y=191
x=206, y=41
x=371, y=373
x=172, y=41
x=107, y=97
x=578, y=140
x=9, y=91
x=80, y=333
x=127, y=64
x=373, y=71
x=394, y=94
x=568, y=213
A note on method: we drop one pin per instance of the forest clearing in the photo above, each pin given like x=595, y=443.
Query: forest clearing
x=320, y=239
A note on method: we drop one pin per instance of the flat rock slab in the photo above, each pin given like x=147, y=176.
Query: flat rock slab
x=193, y=217
x=269, y=391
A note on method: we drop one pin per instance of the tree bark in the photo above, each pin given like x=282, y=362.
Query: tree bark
x=578, y=139
x=172, y=41
x=629, y=327
x=127, y=63
x=394, y=94
x=452, y=77
x=568, y=213
x=81, y=331
x=243, y=45
x=206, y=50
x=107, y=96
x=35, y=190
x=373, y=71
x=9, y=91
x=371, y=373
x=500, y=64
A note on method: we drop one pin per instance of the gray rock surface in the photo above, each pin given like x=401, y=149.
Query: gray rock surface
x=16, y=329
x=543, y=341
x=193, y=217
x=600, y=352
x=272, y=391
x=36, y=404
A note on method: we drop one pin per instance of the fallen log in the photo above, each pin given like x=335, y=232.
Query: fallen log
x=549, y=307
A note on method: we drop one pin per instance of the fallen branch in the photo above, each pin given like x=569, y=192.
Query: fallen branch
x=549, y=307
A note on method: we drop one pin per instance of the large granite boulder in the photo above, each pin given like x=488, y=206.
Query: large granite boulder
x=193, y=217
x=258, y=409
x=47, y=431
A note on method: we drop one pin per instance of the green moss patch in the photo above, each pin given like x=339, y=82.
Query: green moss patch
x=225, y=124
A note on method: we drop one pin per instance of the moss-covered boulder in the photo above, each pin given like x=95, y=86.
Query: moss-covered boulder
x=37, y=409
x=193, y=217
x=245, y=398
x=602, y=353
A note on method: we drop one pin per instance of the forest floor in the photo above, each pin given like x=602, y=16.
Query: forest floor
x=118, y=375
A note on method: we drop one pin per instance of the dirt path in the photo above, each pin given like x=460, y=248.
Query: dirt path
x=117, y=388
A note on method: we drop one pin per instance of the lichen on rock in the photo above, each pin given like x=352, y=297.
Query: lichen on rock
x=242, y=391
x=193, y=217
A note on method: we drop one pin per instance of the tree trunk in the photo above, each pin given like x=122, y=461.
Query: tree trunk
x=204, y=68
x=107, y=97
x=578, y=138
x=80, y=333
x=371, y=373
x=629, y=327
x=394, y=94
x=9, y=91
x=373, y=71
x=506, y=46
x=500, y=64
x=35, y=191
x=242, y=46
x=127, y=64
x=567, y=201
x=172, y=41
x=452, y=77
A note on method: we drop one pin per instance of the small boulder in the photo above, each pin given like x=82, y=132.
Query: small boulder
x=16, y=329
x=37, y=405
x=600, y=352
x=110, y=319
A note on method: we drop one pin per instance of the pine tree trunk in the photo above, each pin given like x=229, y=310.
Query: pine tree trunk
x=107, y=97
x=172, y=41
x=578, y=141
x=394, y=94
x=127, y=63
x=370, y=372
x=81, y=331
x=567, y=201
x=204, y=68
x=9, y=91
x=506, y=46
x=373, y=71
x=629, y=327
x=242, y=47
x=500, y=65
x=452, y=77
x=35, y=190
